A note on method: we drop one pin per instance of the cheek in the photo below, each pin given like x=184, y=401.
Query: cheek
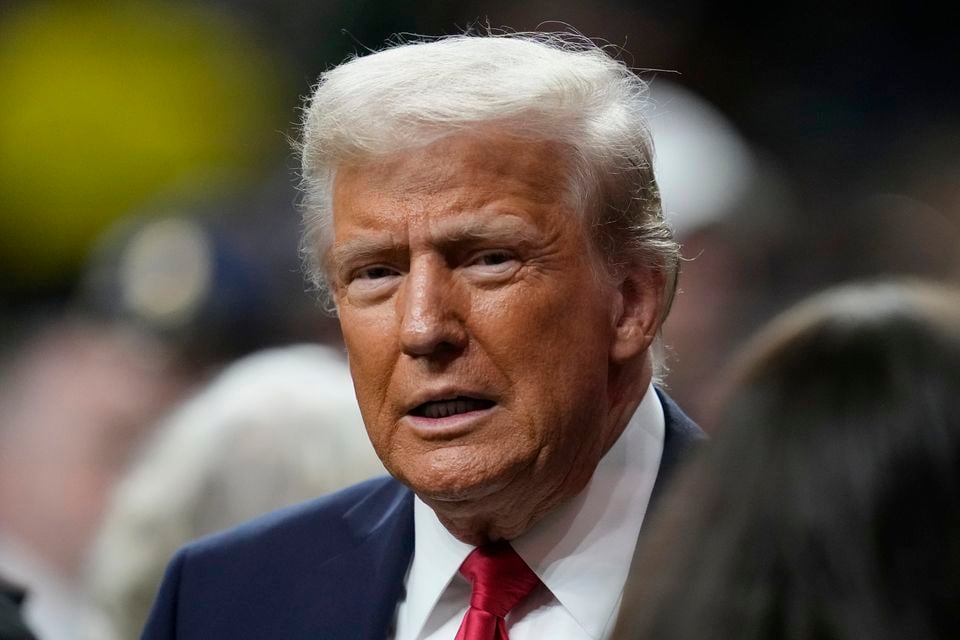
x=552, y=345
x=371, y=351
x=544, y=328
x=370, y=338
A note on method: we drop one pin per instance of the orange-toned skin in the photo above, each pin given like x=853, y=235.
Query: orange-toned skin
x=459, y=267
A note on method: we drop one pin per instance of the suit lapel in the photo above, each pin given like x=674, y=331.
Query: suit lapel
x=680, y=438
x=389, y=547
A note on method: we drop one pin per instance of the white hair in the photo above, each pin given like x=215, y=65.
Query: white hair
x=555, y=87
x=273, y=429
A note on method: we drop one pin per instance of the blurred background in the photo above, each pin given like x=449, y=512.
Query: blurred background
x=148, y=226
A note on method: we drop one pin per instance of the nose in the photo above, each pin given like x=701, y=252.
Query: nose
x=431, y=324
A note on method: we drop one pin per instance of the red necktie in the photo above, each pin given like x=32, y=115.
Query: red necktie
x=501, y=579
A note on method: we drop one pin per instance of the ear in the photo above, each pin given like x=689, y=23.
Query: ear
x=636, y=317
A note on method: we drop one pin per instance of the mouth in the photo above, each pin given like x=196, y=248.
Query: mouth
x=448, y=415
x=449, y=407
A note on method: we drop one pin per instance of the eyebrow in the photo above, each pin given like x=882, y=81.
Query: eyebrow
x=503, y=227
x=362, y=248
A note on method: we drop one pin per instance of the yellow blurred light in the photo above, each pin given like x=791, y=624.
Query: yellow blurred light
x=103, y=106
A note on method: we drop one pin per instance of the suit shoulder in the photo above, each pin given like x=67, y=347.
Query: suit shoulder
x=290, y=573
x=323, y=521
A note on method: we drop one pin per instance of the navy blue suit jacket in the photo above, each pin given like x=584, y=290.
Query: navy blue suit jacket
x=329, y=569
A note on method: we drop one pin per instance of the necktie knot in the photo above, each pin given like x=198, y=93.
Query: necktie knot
x=500, y=578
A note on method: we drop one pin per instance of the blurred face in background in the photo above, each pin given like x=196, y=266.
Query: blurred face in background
x=477, y=329
x=75, y=406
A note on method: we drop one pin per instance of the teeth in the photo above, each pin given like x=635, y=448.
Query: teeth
x=445, y=408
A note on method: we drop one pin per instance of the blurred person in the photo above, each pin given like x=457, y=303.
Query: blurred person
x=726, y=204
x=483, y=213
x=74, y=402
x=829, y=505
x=217, y=276
x=274, y=428
x=734, y=280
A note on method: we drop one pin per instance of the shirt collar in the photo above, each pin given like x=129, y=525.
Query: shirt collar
x=437, y=557
x=581, y=551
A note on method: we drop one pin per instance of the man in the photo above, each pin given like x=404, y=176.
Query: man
x=75, y=400
x=483, y=215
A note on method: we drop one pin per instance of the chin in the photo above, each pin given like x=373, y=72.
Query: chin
x=456, y=476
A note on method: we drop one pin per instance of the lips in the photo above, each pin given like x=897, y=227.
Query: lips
x=447, y=407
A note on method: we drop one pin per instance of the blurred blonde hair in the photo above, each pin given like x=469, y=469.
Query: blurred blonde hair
x=275, y=428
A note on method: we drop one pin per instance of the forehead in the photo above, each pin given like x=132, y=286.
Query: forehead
x=459, y=174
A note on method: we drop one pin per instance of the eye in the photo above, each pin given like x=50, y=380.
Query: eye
x=496, y=264
x=492, y=258
x=367, y=285
x=376, y=272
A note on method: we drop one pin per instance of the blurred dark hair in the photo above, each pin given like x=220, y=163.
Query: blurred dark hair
x=829, y=504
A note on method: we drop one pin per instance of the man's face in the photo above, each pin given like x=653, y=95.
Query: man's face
x=477, y=327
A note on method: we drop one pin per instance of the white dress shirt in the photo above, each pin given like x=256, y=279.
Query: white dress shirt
x=581, y=551
x=54, y=607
